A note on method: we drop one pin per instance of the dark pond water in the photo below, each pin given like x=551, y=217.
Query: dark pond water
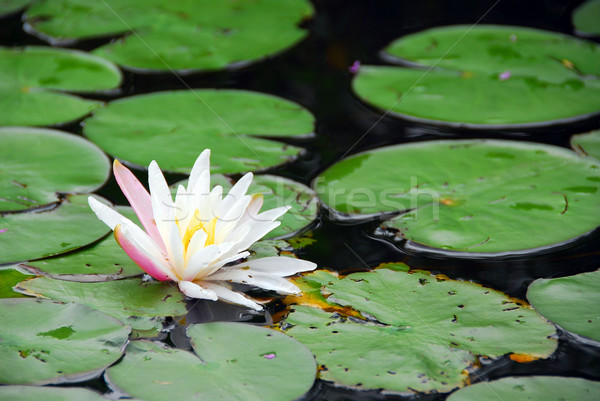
x=314, y=74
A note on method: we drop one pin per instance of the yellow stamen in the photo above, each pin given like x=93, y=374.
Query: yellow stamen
x=196, y=224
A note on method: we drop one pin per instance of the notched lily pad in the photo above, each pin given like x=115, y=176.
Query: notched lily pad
x=40, y=234
x=480, y=196
x=231, y=361
x=586, y=17
x=547, y=388
x=48, y=342
x=199, y=35
x=36, y=164
x=9, y=277
x=174, y=127
x=32, y=81
x=486, y=77
x=132, y=301
x=413, y=331
x=587, y=144
x=572, y=302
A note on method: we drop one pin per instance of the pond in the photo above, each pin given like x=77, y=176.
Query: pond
x=461, y=117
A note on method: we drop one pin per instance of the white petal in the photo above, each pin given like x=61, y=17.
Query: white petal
x=193, y=290
x=196, y=243
x=199, y=263
x=258, y=279
x=223, y=261
x=227, y=295
x=201, y=166
x=278, y=265
x=272, y=214
x=230, y=219
x=182, y=209
x=236, y=193
x=108, y=215
x=257, y=233
x=162, y=202
x=252, y=209
x=175, y=247
x=210, y=204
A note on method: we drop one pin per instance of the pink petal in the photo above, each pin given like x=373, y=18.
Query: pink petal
x=3, y=230
x=139, y=199
x=146, y=262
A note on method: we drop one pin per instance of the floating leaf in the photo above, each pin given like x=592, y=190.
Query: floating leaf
x=12, y=6
x=471, y=195
x=37, y=163
x=47, y=342
x=41, y=234
x=586, y=17
x=420, y=333
x=9, y=277
x=486, y=76
x=31, y=79
x=204, y=35
x=232, y=361
x=572, y=302
x=101, y=261
x=129, y=300
x=174, y=127
x=547, y=388
x=277, y=192
x=29, y=393
x=587, y=144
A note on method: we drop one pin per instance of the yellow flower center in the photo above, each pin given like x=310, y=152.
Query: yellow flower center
x=196, y=224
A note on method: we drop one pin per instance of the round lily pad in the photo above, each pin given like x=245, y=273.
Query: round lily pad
x=12, y=6
x=414, y=331
x=48, y=342
x=9, y=277
x=203, y=35
x=129, y=300
x=34, y=235
x=587, y=144
x=486, y=76
x=547, y=388
x=482, y=196
x=278, y=191
x=572, y=302
x=174, y=127
x=231, y=361
x=100, y=261
x=32, y=80
x=37, y=163
x=30, y=393
x=586, y=17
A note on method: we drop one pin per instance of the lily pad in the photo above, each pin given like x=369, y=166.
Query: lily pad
x=587, y=144
x=174, y=127
x=547, y=388
x=129, y=300
x=482, y=196
x=486, y=76
x=572, y=302
x=419, y=332
x=232, y=361
x=12, y=6
x=40, y=234
x=100, y=261
x=202, y=35
x=9, y=277
x=37, y=163
x=278, y=191
x=586, y=17
x=48, y=342
x=32, y=80
x=30, y=393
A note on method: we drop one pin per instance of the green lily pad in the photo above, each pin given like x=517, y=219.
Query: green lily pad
x=277, y=191
x=586, y=17
x=232, y=361
x=40, y=234
x=47, y=342
x=129, y=300
x=480, y=196
x=37, y=163
x=31, y=393
x=100, y=261
x=587, y=144
x=12, y=6
x=486, y=76
x=420, y=332
x=9, y=277
x=174, y=127
x=547, y=388
x=203, y=35
x=572, y=302
x=32, y=80
x=268, y=248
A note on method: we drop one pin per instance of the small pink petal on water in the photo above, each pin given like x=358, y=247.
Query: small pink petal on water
x=504, y=76
x=3, y=230
x=355, y=67
x=270, y=355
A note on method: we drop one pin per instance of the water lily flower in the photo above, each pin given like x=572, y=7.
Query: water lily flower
x=199, y=240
